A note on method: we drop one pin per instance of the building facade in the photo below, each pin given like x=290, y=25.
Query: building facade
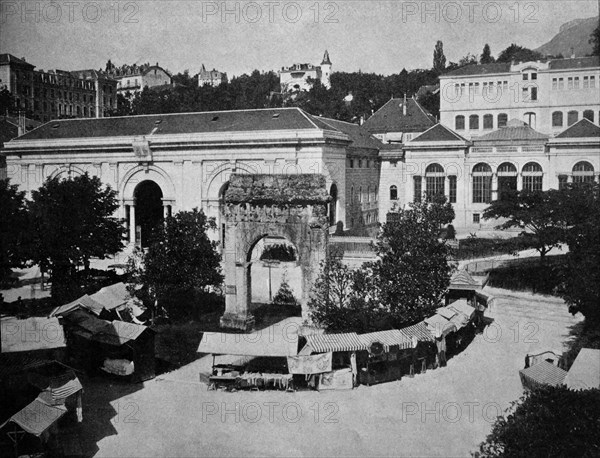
x=548, y=95
x=132, y=79
x=212, y=77
x=298, y=77
x=54, y=94
x=160, y=164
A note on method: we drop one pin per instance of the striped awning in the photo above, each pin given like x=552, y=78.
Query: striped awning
x=388, y=339
x=349, y=341
x=542, y=374
x=418, y=331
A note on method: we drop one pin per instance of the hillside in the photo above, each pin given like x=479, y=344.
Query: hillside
x=573, y=34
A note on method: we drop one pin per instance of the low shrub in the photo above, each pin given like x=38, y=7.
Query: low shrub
x=475, y=247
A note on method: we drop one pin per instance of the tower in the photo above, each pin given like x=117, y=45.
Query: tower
x=326, y=70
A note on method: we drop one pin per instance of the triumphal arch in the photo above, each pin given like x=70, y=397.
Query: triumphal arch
x=259, y=206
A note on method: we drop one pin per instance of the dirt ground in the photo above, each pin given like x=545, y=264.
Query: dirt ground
x=444, y=412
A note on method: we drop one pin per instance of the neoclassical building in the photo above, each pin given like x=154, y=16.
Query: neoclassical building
x=471, y=174
x=160, y=164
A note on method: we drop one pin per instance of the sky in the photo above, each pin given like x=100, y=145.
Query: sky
x=240, y=36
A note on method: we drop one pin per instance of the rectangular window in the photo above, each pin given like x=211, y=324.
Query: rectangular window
x=476, y=88
x=351, y=163
x=554, y=84
x=562, y=182
x=561, y=83
x=570, y=83
x=576, y=82
x=534, y=76
x=417, y=189
x=525, y=76
x=586, y=82
x=435, y=185
x=532, y=182
x=592, y=81
x=476, y=218
x=452, y=190
x=534, y=93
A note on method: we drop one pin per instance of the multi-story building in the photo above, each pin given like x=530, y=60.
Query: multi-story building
x=211, y=77
x=548, y=95
x=132, y=79
x=54, y=94
x=298, y=77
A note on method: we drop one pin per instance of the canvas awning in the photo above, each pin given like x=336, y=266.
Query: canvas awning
x=31, y=334
x=37, y=417
x=440, y=326
x=55, y=388
x=542, y=374
x=388, y=339
x=324, y=343
x=462, y=306
x=585, y=371
x=463, y=280
x=261, y=343
x=109, y=298
x=418, y=331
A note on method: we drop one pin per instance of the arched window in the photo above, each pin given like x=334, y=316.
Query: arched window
x=572, y=117
x=376, y=194
x=532, y=177
x=583, y=172
x=474, y=122
x=393, y=192
x=434, y=179
x=459, y=122
x=502, y=120
x=589, y=115
x=557, y=119
x=488, y=121
x=507, y=179
x=360, y=194
x=482, y=183
x=352, y=195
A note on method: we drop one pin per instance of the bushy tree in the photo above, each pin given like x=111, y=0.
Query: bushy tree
x=518, y=54
x=535, y=211
x=413, y=273
x=550, y=421
x=72, y=222
x=7, y=102
x=595, y=41
x=180, y=258
x=13, y=228
x=284, y=295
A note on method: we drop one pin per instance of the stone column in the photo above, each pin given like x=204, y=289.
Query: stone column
x=165, y=211
x=132, y=224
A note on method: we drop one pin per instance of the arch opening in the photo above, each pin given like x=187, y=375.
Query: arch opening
x=333, y=192
x=149, y=211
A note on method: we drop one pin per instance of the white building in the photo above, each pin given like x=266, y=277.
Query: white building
x=134, y=78
x=297, y=77
x=548, y=95
x=211, y=77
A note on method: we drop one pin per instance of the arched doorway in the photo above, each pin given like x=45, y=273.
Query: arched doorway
x=333, y=192
x=271, y=260
x=148, y=210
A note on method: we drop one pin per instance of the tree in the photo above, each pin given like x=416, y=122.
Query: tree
x=413, y=273
x=7, y=102
x=73, y=221
x=580, y=210
x=595, y=41
x=180, y=258
x=13, y=228
x=341, y=299
x=285, y=295
x=439, y=60
x=519, y=54
x=550, y=421
x=486, y=55
x=535, y=211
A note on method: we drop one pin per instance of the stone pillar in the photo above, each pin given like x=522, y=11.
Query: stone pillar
x=132, y=224
x=165, y=211
x=494, y=186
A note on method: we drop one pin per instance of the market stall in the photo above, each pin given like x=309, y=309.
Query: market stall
x=390, y=356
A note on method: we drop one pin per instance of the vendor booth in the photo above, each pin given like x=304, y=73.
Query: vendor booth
x=542, y=374
x=389, y=356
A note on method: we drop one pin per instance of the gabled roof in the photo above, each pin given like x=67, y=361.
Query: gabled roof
x=31, y=334
x=9, y=58
x=438, y=133
x=483, y=69
x=513, y=132
x=324, y=343
x=583, y=128
x=361, y=138
x=326, y=59
x=109, y=297
x=390, y=117
x=270, y=119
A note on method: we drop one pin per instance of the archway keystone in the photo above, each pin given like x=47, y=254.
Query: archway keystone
x=256, y=206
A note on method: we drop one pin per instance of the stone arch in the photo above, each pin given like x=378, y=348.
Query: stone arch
x=65, y=171
x=152, y=173
x=257, y=206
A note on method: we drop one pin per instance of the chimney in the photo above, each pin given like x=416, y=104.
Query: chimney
x=572, y=52
x=404, y=106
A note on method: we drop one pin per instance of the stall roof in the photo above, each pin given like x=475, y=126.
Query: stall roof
x=543, y=373
x=110, y=332
x=349, y=341
x=109, y=298
x=31, y=334
x=260, y=343
x=37, y=417
x=465, y=281
x=418, y=331
x=387, y=338
x=462, y=306
x=440, y=326
x=585, y=371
